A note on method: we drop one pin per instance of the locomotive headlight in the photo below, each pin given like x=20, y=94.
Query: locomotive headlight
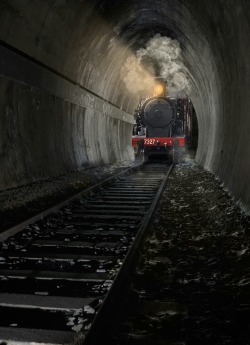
x=158, y=89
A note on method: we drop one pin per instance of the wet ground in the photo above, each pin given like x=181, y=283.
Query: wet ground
x=192, y=283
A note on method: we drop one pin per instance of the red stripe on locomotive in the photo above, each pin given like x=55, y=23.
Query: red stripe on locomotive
x=177, y=141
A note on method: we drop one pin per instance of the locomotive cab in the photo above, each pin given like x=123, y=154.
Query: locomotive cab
x=178, y=128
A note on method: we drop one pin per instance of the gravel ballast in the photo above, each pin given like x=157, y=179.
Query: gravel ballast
x=192, y=283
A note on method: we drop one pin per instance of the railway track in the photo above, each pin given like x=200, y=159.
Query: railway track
x=61, y=271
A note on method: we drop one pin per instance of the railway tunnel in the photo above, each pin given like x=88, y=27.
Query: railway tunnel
x=63, y=101
x=67, y=101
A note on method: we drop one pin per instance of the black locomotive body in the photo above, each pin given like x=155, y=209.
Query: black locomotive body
x=162, y=127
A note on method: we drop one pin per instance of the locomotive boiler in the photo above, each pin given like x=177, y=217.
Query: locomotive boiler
x=162, y=125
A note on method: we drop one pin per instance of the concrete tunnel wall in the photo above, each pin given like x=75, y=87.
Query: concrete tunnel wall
x=81, y=45
x=221, y=97
x=62, y=102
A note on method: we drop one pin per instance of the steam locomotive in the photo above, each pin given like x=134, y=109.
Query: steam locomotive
x=162, y=125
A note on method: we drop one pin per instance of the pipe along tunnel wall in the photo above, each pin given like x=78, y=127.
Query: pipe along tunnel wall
x=69, y=47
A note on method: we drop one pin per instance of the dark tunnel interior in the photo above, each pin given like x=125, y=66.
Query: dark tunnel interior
x=74, y=83
x=63, y=91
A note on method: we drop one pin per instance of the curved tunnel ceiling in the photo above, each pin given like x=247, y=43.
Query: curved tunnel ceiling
x=89, y=41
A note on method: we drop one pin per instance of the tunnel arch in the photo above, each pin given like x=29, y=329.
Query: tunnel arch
x=62, y=93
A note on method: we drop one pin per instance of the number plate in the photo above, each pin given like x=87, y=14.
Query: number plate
x=149, y=141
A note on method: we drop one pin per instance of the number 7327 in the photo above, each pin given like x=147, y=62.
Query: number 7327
x=149, y=141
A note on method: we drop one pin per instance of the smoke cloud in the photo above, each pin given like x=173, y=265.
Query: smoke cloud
x=163, y=59
x=135, y=76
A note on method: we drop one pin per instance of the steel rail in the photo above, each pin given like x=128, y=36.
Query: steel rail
x=100, y=236
x=21, y=226
x=121, y=281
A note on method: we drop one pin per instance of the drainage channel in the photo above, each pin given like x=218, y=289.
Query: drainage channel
x=61, y=275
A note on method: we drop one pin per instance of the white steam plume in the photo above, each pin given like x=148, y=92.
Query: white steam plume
x=166, y=54
x=135, y=76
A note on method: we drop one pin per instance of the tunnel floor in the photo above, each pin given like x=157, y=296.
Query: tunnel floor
x=191, y=286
